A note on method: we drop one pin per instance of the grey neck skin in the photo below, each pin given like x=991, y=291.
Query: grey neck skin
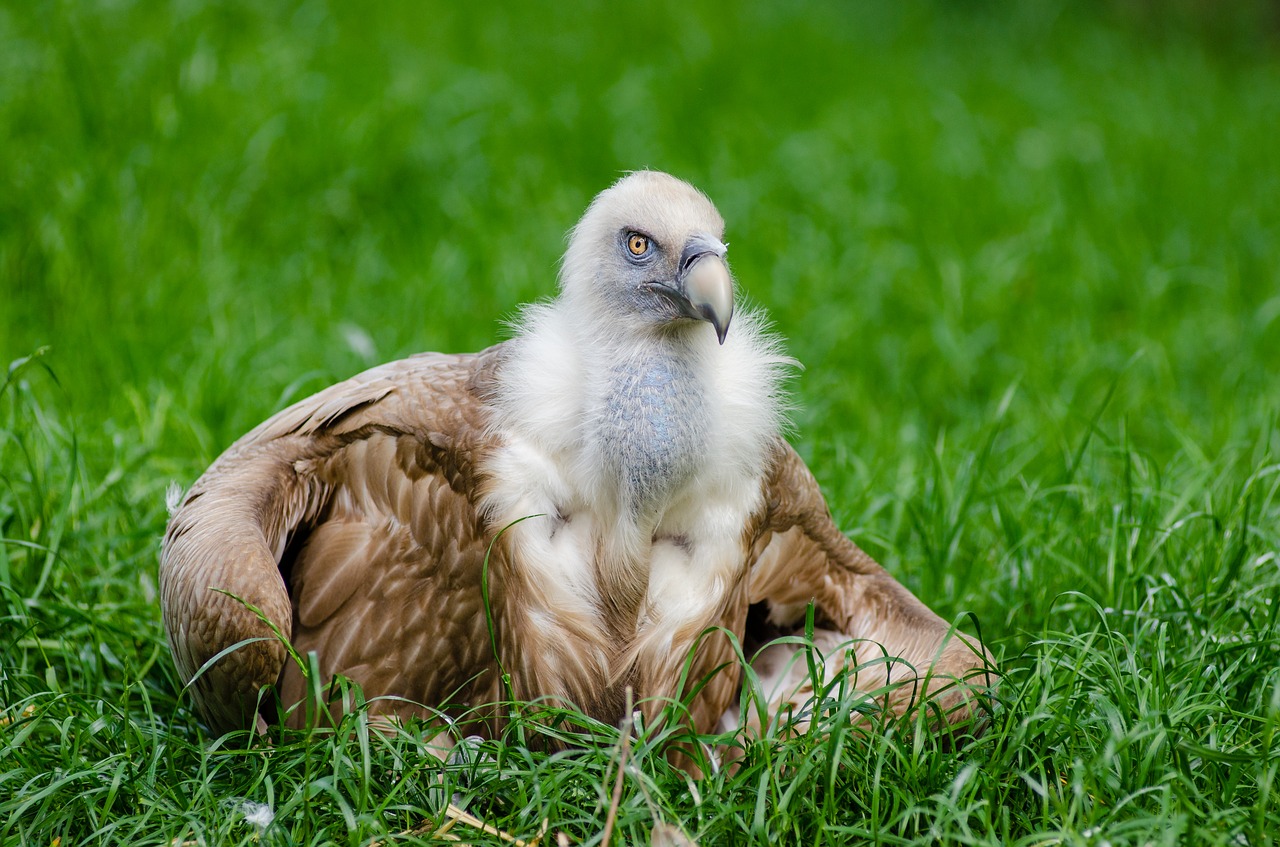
x=653, y=428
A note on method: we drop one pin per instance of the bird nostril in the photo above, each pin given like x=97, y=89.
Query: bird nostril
x=689, y=261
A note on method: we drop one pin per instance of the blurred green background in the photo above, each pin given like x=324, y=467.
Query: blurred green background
x=1029, y=254
x=230, y=201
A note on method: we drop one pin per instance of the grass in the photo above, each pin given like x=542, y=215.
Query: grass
x=1029, y=256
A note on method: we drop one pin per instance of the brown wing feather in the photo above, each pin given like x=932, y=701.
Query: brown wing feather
x=361, y=494
x=802, y=557
x=387, y=590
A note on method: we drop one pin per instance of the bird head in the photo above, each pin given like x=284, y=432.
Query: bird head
x=648, y=257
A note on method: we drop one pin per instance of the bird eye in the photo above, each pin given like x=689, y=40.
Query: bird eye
x=637, y=244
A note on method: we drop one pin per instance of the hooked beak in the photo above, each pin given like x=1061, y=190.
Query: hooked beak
x=703, y=287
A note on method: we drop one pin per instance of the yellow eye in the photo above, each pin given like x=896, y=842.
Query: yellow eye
x=637, y=244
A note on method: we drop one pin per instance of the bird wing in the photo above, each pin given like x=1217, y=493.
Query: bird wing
x=801, y=557
x=348, y=520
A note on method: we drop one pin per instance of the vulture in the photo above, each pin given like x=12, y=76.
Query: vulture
x=581, y=514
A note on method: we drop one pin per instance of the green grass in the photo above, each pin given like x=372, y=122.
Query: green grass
x=1029, y=255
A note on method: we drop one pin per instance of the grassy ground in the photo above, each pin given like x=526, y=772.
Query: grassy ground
x=1028, y=255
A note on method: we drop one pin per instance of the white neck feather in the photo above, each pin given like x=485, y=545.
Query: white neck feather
x=593, y=404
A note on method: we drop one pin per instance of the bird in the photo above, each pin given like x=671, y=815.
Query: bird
x=600, y=507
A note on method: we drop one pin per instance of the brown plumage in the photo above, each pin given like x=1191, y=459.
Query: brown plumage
x=629, y=449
